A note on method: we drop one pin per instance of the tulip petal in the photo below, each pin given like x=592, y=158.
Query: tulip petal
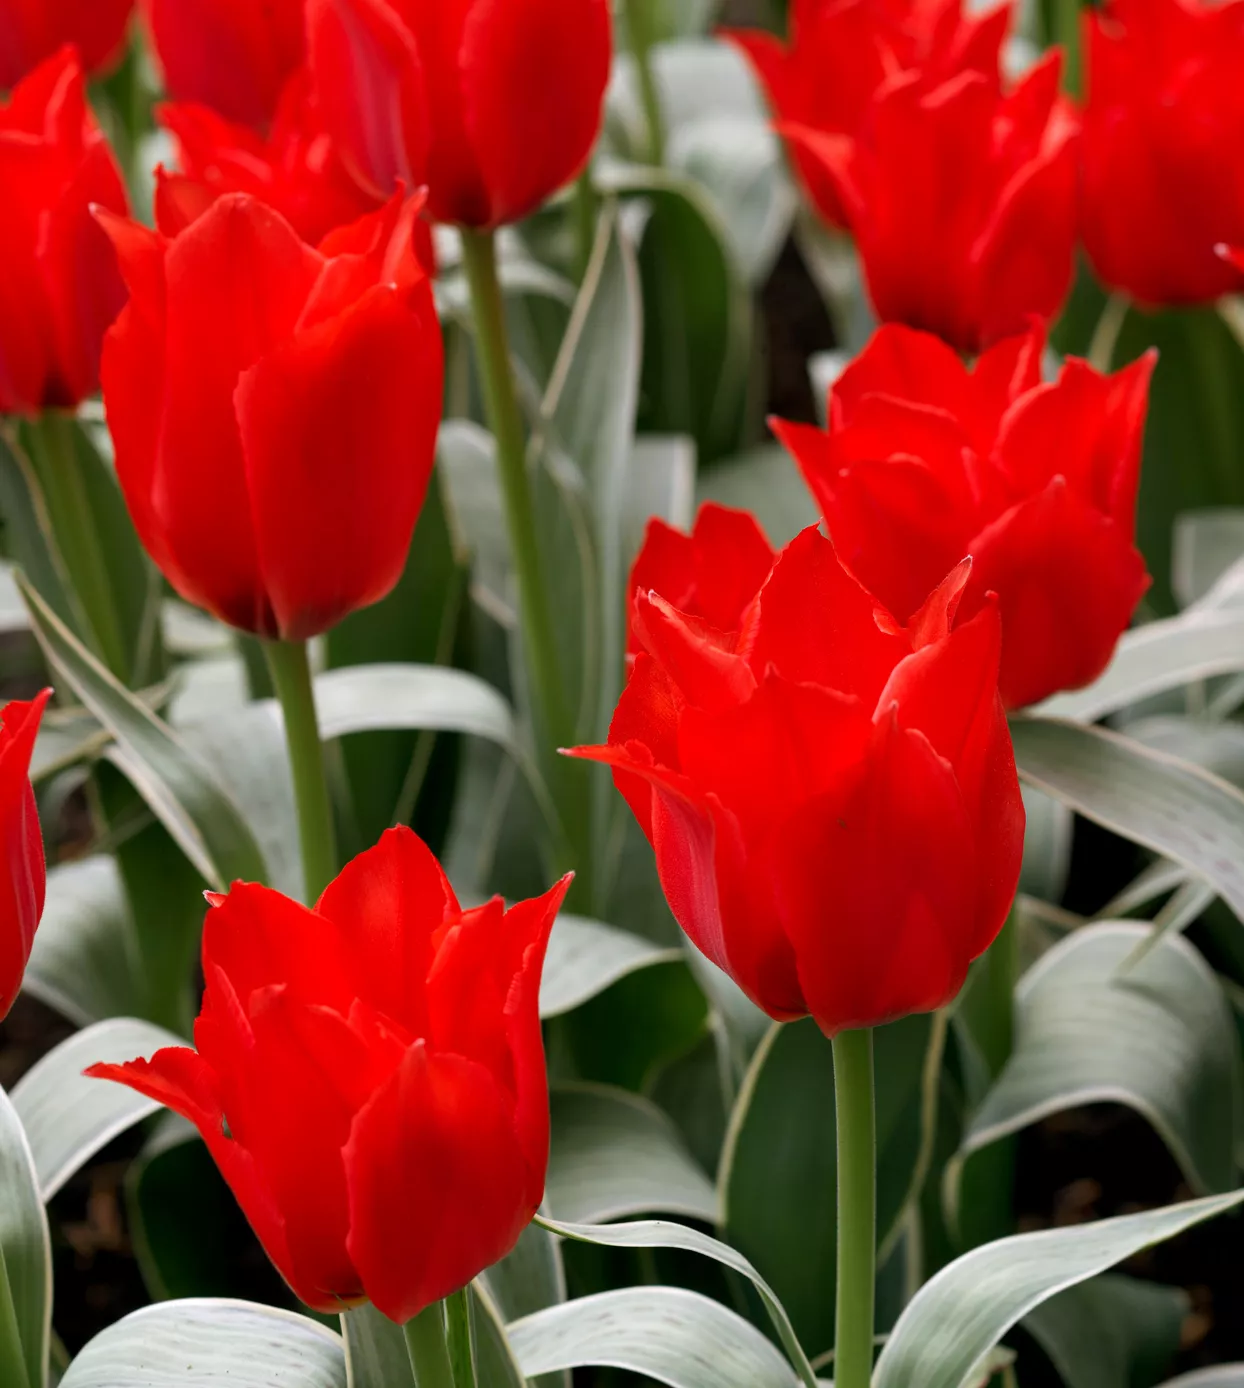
x=438, y=1185
x=338, y=427
x=1041, y=558
x=23, y=875
x=877, y=892
x=391, y=906
x=700, y=660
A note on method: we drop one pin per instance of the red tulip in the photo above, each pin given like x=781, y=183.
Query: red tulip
x=712, y=574
x=369, y=1077
x=232, y=55
x=31, y=31
x=842, y=52
x=831, y=796
x=59, y=286
x=1163, y=128
x=274, y=408
x=296, y=168
x=962, y=202
x=493, y=104
x=23, y=876
x=925, y=461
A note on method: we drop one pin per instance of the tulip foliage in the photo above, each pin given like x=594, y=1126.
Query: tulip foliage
x=621, y=664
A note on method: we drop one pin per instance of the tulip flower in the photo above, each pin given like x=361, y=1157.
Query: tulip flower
x=31, y=31
x=925, y=461
x=232, y=55
x=1163, y=129
x=842, y=52
x=493, y=104
x=962, y=201
x=369, y=1077
x=274, y=408
x=831, y=795
x=295, y=168
x=60, y=287
x=23, y=876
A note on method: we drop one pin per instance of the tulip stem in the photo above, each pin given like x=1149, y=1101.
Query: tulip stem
x=553, y=720
x=53, y=444
x=291, y=676
x=428, y=1349
x=460, y=1335
x=639, y=26
x=989, y=1005
x=857, y=1208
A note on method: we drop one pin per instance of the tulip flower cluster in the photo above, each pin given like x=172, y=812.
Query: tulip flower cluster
x=377, y=217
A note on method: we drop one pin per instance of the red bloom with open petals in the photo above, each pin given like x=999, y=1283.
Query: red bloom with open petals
x=369, y=1077
x=295, y=168
x=925, y=461
x=840, y=54
x=1161, y=177
x=232, y=55
x=831, y=797
x=274, y=408
x=493, y=104
x=23, y=874
x=31, y=31
x=962, y=201
x=59, y=283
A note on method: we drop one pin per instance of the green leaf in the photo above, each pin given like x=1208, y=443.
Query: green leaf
x=1224, y=1376
x=182, y=791
x=85, y=962
x=614, y=1154
x=1155, y=658
x=586, y=957
x=13, y=615
x=28, y=534
x=1110, y=1332
x=784, y=1123
x=211, y=1344
x=25, y=1252
x=1047, y=847
x=955, y=1319
x=766, y=482
x=674, y=1336
x=495, y=1363
x=66, y=737
x=68, y=1117
x=1164, y=804
x=383, y=697
x=660, y=1234
x=376, y=1353
x=1159, y=1038
x=1205, y=545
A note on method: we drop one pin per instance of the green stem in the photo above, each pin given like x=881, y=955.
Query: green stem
x=639, y=26
x=990, y=1002
x=53, y=442
x=1067, y=33
x=291, y=675
x=429, y=1353
x=857, y=1208
x=1106, y=334
x=460, y=1334
x=584, y=220
x=553, y=717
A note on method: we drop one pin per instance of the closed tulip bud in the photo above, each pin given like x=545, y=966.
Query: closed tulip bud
x=831, y=795
x=925, y=461
x=23, y=875
x=493, y=104
x=1163, y=130
x=232, y=55
x=841, y=54
x=60, y=287
x=369, y=1077
x=31, y=31
x=274, y=408
x=962, y=201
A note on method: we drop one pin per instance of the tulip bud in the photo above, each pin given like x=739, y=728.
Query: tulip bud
x=831, y=795
x=925, y=461
x=369, y=1077
x=60, y=287
x=1163, y=130
x=23, y=876
x=274, y=408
